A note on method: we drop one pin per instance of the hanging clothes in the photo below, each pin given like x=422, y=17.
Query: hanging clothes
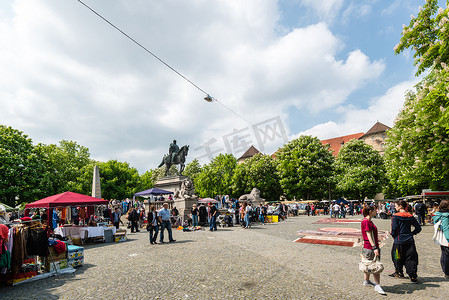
x=54, y=219
x=19, y=249
x=9, y=245
x=63, y=214
x=37, y=242
x=68, y=214
x=82, y=213
x=4, y=232
x=90, y=211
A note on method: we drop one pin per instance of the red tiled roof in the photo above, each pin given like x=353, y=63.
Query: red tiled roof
x=250, y=152
x=336, y=143
x=378, y=127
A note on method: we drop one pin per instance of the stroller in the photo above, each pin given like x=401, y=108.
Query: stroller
x=225, y=220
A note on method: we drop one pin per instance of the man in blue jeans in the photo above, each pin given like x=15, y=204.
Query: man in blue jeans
x=164, y=218
x=213, y=214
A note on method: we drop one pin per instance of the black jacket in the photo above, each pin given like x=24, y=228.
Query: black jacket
x=150, y=218
x=133, y=216
x=401, y=231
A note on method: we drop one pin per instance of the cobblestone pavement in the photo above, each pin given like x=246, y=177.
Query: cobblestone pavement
x=234, y=263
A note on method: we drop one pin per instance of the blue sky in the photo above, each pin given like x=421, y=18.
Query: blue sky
x=319, y=67
x=374, y=27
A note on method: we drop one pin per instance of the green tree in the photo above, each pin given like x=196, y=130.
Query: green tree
x=305, y=168
x=117, y=179
x=417, y=151
x=192, y=170
x=22, y=173
x=260, y=171
x=428, y=36
x=146, y=181
x=359, y=171
x=215, y=178
x=64, y=163
x=417, y=154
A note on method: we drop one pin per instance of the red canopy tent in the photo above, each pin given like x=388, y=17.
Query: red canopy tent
x=66, y=199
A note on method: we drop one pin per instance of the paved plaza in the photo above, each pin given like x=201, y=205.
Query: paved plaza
x=234, y=263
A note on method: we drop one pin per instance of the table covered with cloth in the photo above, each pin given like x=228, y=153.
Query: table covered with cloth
x=83, y=232
x=68, y=231
x=90, y=232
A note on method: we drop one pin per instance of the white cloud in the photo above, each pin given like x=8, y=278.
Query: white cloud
x=383, y=109
x=356, y=10
x=325, y=9
x=68, y=75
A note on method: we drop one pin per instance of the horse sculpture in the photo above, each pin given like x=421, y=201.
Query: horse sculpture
x=179, y=159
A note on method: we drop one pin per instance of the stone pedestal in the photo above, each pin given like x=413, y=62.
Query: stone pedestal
x=184, y=206
x=173, y=184
x=170, y=183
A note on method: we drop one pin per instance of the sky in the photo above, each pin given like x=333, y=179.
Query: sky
x=277, y=70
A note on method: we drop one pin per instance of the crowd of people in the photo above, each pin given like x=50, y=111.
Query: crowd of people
x=403, y=251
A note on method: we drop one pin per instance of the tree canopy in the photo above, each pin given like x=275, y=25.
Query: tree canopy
x=260, y=171
x=118, y=180
x=22, y=173
x=64, y=164
x=359, y=171
x=192, y=170
x=215, y=178
x=305, y=168
x=417, y=153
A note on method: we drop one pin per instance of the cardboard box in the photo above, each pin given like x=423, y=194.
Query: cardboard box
x=120, y=238
x=57, y=257
x=62, y=264
x=76, y=262
x=75, y=252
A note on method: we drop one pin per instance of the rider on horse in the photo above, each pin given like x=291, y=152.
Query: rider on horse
x=173, y=150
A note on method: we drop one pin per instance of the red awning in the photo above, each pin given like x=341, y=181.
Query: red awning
x=67, y=199
x=435, y=194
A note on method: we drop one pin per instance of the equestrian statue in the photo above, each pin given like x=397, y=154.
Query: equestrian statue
x=175, y=156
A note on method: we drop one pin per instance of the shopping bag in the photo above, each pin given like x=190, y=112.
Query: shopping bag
x=438, y=235
x=371, y=266
x=5, y=259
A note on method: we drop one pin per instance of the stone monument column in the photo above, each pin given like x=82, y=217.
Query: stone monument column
x=96, y=188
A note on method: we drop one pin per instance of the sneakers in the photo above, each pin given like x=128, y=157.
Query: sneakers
x=367, y=283
x=413, y=279
x=379, y=289
x=396, y=274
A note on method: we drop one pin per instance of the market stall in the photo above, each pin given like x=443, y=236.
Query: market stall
x=31, y=253
x=70, y=205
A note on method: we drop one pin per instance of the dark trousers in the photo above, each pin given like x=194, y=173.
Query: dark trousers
x=405, y=255
x=421, y=219
x=134, y=226
x=445, y=260
x=166, y=225
x=153, y=233
x=117, y=225
x=213, y=223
